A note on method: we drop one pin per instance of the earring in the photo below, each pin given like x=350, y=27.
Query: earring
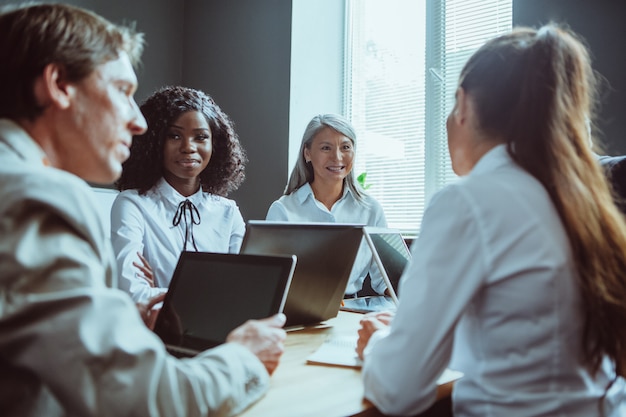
x=308, y=161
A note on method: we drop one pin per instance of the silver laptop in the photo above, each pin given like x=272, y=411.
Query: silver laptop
x=391, y=254
x=213, y=293
x=325, y=252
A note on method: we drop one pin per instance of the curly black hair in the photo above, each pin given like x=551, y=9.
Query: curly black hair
x=226, y=169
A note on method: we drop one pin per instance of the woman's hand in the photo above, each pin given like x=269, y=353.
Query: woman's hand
x=148, y=315
x=371, y=323
x=145, y=270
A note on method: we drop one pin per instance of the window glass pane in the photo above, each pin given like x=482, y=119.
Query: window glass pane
x=403, y=58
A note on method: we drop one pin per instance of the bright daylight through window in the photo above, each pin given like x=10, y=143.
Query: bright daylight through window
x=403, y=58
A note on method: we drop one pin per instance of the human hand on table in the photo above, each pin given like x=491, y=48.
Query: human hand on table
x=265, y=338
x=370, y=323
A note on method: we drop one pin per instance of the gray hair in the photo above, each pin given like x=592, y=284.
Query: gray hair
x=302, y=172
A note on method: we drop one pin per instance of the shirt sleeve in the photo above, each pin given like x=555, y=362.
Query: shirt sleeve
x=238, y=232
x=127, y=235
x=448, y=266
x=82, y=345
x=277, y=212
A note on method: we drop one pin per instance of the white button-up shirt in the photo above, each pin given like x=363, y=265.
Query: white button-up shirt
x=301, y=206
x=144, y=224
x=492, y=262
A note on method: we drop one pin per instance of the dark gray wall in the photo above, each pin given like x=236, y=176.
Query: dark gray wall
x=161, y=21
x=240, y=52
x=601, y=23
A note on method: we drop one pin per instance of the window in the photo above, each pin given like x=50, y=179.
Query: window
x=403, y=58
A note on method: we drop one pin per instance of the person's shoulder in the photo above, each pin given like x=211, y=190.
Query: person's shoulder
x=370, y=202
x=130, y=195
x=369, y=199
x=219, y=201
x=130, y=200
x=285, y=198
x=43, y=184
x=457, y=191
x=283, y=208
x=612, y=161
x=615, y=167
x=50, y=189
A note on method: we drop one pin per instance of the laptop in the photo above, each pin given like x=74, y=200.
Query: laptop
x=391, y=255
x=213, y=293
x=325, y=252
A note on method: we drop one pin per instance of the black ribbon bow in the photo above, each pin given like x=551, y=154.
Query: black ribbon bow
x=187, y=212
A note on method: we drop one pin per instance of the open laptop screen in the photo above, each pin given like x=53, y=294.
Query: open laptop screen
x=392, y=251
x=326, y=253
x=211, y=294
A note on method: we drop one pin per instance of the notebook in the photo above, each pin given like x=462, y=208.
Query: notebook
x=340, y=350
x=213, y=293
x=325, y=252
x=391, y=255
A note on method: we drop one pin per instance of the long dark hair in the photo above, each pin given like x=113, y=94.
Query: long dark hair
x=225, y=171
x=536, y=90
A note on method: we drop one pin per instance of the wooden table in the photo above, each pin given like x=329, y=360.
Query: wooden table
x=302, y=390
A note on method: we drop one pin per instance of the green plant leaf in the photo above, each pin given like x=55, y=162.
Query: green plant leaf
x=361, y=180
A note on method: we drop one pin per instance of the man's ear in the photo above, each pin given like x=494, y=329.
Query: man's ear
x=51, y=88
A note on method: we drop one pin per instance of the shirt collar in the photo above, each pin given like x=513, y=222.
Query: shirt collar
x=494, y=158
x=15, y=137
x=306, y=191
x=173, y=196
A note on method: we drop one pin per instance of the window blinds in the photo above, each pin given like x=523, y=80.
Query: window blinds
x=403, y=58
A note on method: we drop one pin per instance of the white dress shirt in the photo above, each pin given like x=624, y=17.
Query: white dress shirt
x=144, y=224
x=301, y=206
x=492, y=274
x=69, y=344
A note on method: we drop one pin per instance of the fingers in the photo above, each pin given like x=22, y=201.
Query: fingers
x=365, y=332
x=271, y=353
x=277, y=320
x=145, y=270
x=143, y=311
x=144, y=273
x=264, y=338
x=155, y=300
x=148, y=315
x=152, y=318
x=361, y=343
x=369, y=325
x=271, y=365
x=143, y=260
x=384, y=317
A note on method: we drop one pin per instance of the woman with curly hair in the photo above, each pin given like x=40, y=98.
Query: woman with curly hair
x=173, y=190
